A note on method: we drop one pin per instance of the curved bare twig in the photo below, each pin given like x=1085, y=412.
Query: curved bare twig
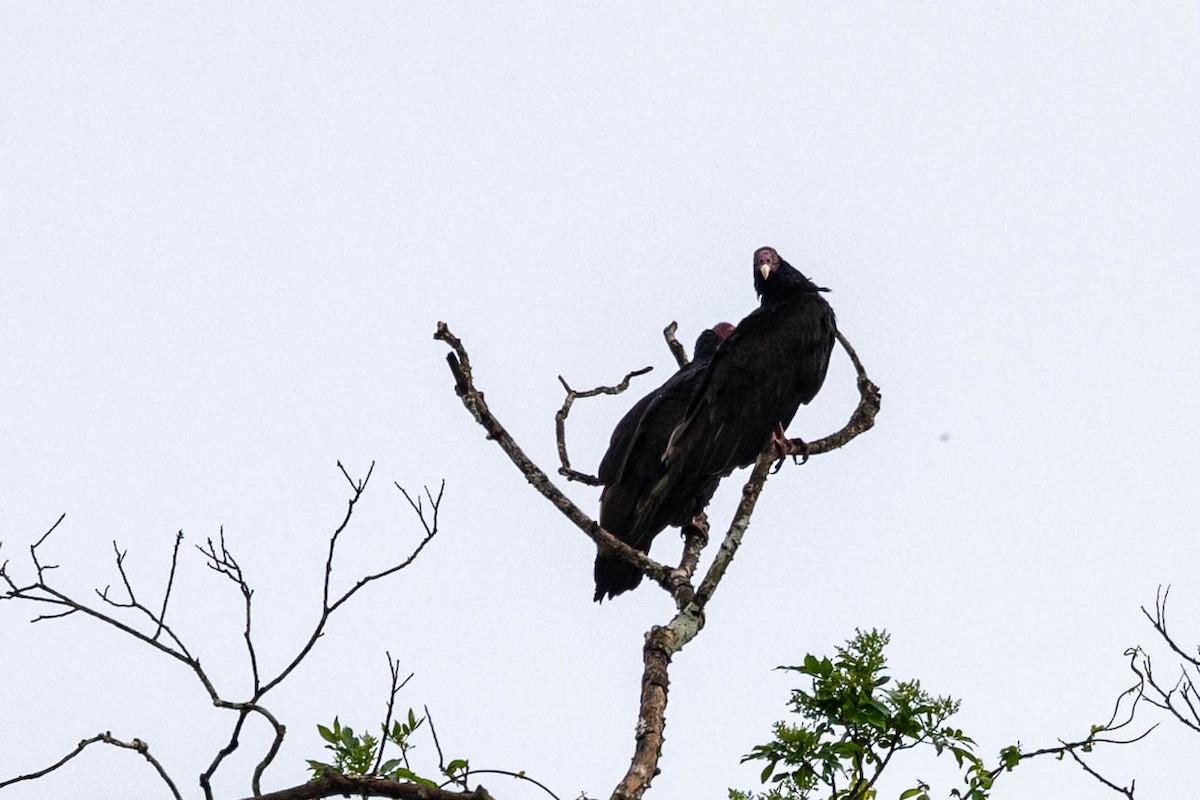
x=520, y=776
x=560, y=423
x=677, y=350
x=136, y=745
x=863, y=418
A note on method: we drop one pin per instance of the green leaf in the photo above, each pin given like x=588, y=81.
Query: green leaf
x=409, y=775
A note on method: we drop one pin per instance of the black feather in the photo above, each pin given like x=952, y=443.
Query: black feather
x=633, y=466
x=774, y=362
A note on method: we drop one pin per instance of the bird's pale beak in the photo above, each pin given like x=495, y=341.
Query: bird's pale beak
x=765, y=270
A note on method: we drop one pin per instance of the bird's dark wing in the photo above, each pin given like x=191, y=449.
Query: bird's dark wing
x=640, y=466
x=772, y=363
x=633, y=466
x=618, y=444
x=775, y=361
x=638, y=424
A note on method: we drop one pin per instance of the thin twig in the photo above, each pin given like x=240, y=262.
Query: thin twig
x=560, y=423
x=162, y=614
x=1159, y=621
x=33, y=547
x=1125, y=790
x=677, y=350
x=225, y=564
x=521, y=776
x=438, y=746
x=396, y=686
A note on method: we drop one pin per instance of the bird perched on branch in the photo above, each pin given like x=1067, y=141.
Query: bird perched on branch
x=774, y=362
x=633, y=465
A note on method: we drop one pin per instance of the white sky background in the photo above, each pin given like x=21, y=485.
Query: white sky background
x=227, y=234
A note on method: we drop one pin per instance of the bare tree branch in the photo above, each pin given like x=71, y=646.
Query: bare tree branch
x=397, y=685
x=863, y=418
x=42, y=592
x=1159, y=621
x=473, y=400
x=225, y=564
x=163, y=638
x=695, y=539
x=1123, y=715
x=560, y=418
x=329, y=606
x=1125, y=790
x=162, y=614
x=223, y=753
x=662, y=642
x=136, y=745
x=677, y=350
x=1181, y=698
x=520, y=776
x=332, y=784
x=437, y=744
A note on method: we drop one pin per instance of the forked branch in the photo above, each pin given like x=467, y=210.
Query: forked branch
x=662, y=642
x=472, y=398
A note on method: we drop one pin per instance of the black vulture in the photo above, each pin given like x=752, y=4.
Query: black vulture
x=633, y=465
x=773, y=362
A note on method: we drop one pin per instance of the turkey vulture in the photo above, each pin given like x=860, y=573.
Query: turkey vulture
x=633, y=464
x=775, y=360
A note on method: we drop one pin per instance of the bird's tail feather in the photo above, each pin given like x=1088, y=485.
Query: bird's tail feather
x=614, y=576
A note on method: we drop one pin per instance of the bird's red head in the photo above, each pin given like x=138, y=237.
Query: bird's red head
x=766, y=261
x=722, y=330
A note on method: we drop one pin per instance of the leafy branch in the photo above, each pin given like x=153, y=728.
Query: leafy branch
x=360, y=756
x=854, y=719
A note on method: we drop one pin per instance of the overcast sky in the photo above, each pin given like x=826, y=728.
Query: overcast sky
x=227, y=233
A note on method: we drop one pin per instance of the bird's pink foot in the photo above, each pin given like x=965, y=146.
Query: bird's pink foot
x=784, y=447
